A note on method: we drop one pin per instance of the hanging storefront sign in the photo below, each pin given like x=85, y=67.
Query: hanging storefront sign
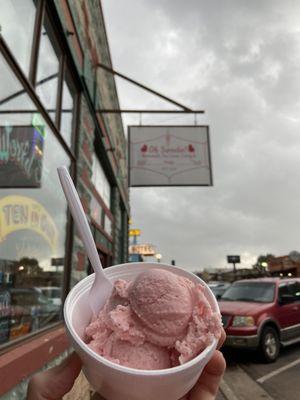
x=21, y=155
x=20, y=212
x=169, y=156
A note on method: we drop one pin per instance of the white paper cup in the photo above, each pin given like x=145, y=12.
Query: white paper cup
x=116, y=382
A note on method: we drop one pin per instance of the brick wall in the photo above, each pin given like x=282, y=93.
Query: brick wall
x=88, y=19
x=89, y=26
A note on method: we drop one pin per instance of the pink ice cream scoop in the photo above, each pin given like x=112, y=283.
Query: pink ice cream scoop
x=164, y=303
x=143, y=356
x=157, y=321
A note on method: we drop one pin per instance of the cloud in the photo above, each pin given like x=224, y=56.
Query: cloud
x=239, y=61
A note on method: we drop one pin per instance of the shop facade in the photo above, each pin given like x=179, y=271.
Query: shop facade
x=285, y=266
x=51, y=97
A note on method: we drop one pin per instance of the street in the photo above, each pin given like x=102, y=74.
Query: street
x=246, y=374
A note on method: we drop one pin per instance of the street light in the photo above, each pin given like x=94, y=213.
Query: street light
x=158, y=257
x=264, y=264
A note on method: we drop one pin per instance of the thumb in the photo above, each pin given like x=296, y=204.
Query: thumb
x=209, y=381
x=54, y=383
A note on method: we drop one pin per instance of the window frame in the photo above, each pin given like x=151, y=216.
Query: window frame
x=105, y=210
x=28, y=84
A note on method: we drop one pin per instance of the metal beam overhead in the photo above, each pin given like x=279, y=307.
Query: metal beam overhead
x=134, y=82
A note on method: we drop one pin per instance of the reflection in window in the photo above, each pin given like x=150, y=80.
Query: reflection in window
x=47, y=70
x=17, y=24
x=100, y=181
x=66, y=122
x=96, y=211
x=33, y=220
x=107, y=225
x=12, y=94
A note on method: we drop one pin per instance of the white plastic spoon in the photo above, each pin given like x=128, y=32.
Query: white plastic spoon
x=101, y=283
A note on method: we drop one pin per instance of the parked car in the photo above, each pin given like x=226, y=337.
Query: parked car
x=4, y=315
x=27, y=311
x=218, y=288
x=53, y=293
x=262, y=314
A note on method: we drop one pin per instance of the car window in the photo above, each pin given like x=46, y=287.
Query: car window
x=23, y=298
x=218, y=291
x=283, y=289
x=43, y=299
x=261, y=292
x=52, y=293
x=295, y=290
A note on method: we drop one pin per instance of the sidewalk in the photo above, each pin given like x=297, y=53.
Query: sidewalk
x=238, y=385
x=220, y=396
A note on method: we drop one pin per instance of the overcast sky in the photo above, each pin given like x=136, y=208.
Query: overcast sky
x=240, y=61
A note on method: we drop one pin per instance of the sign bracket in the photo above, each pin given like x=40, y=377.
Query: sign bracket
x=184, y=109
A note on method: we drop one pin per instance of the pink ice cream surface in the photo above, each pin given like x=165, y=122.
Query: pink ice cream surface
x=157, y=321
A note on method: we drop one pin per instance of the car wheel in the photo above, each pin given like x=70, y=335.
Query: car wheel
x=269, y=344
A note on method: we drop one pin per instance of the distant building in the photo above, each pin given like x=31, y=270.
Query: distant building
x=284, y=266
x=228, y=275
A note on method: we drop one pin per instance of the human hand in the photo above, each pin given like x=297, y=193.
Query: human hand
x=54, y=383
x=208, y=384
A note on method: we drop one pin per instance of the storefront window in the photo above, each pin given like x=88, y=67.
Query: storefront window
x=66, y=122
x=33, y=217
x=12, y=94
x=96, y=211
x=17, y=23
x=100, y=181
x=107, y=225
x=48, y=70
x=100, y=217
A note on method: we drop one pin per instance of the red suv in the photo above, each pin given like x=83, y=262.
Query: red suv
x=262, y=314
